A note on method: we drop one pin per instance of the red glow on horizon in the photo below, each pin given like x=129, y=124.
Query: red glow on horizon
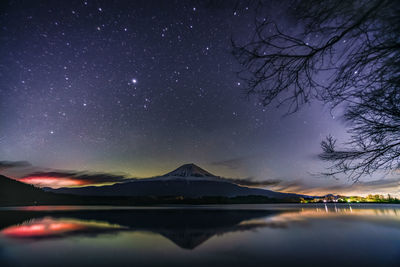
x=54, y=182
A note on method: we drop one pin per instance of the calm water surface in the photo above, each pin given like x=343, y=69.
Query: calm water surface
x=234, y=235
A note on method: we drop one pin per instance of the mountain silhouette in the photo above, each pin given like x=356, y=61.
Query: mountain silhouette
x=13, y=192
x=189, y=181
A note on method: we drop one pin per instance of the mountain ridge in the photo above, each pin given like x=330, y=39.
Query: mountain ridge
x=162, y=190
x=188, y=180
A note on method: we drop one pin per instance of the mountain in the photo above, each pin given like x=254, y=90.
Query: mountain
x=13, y=192
x=189, y=170
x=188, y=181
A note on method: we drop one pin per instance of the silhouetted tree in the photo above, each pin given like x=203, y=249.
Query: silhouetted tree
x=346, y=54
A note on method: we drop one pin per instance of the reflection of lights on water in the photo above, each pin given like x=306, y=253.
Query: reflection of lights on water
x=326, y=211
x=48, y=227
x=45, y=227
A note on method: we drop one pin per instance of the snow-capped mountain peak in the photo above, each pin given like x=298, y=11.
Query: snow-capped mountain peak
x=190, y=170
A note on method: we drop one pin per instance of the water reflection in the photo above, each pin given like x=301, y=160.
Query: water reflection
x=186, y=228
x=49, y=227
x=252, y=235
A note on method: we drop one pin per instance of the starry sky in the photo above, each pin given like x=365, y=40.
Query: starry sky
x=141, y=87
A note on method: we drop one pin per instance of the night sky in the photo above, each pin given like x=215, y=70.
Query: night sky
x=141, y=87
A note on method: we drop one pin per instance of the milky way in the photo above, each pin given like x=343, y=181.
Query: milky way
x=142, y=87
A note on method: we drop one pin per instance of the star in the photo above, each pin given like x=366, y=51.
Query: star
x=134, y=81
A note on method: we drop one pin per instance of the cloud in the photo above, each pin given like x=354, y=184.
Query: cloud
x=13, y=164
x=239, y=162
x=291, y=186
x=251, y=182
x=382, y=186
x=233, y=163
x=58, y=179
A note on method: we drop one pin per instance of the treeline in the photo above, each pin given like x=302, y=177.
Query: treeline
x=352, y=199
x=63, y=199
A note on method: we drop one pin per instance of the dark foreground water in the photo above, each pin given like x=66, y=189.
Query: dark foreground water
x=234, y=235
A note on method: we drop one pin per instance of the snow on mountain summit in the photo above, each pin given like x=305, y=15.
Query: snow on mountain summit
x=188, y=170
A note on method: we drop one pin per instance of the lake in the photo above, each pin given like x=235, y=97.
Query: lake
x=231, y=235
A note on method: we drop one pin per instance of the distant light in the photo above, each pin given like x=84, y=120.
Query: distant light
x=134, y=81
x=100, y=9
x=84, y=104
x=238, y=83
x=51, y=132
x=194, y=9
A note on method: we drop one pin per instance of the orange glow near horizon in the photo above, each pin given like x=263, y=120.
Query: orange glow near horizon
x=345, y=192
x=46, y=227
x=53, y=182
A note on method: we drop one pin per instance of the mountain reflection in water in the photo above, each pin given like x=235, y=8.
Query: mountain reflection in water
x=232, y=235
x=186, y=228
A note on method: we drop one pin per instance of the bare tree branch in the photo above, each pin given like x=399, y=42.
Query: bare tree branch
x=346, y=54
